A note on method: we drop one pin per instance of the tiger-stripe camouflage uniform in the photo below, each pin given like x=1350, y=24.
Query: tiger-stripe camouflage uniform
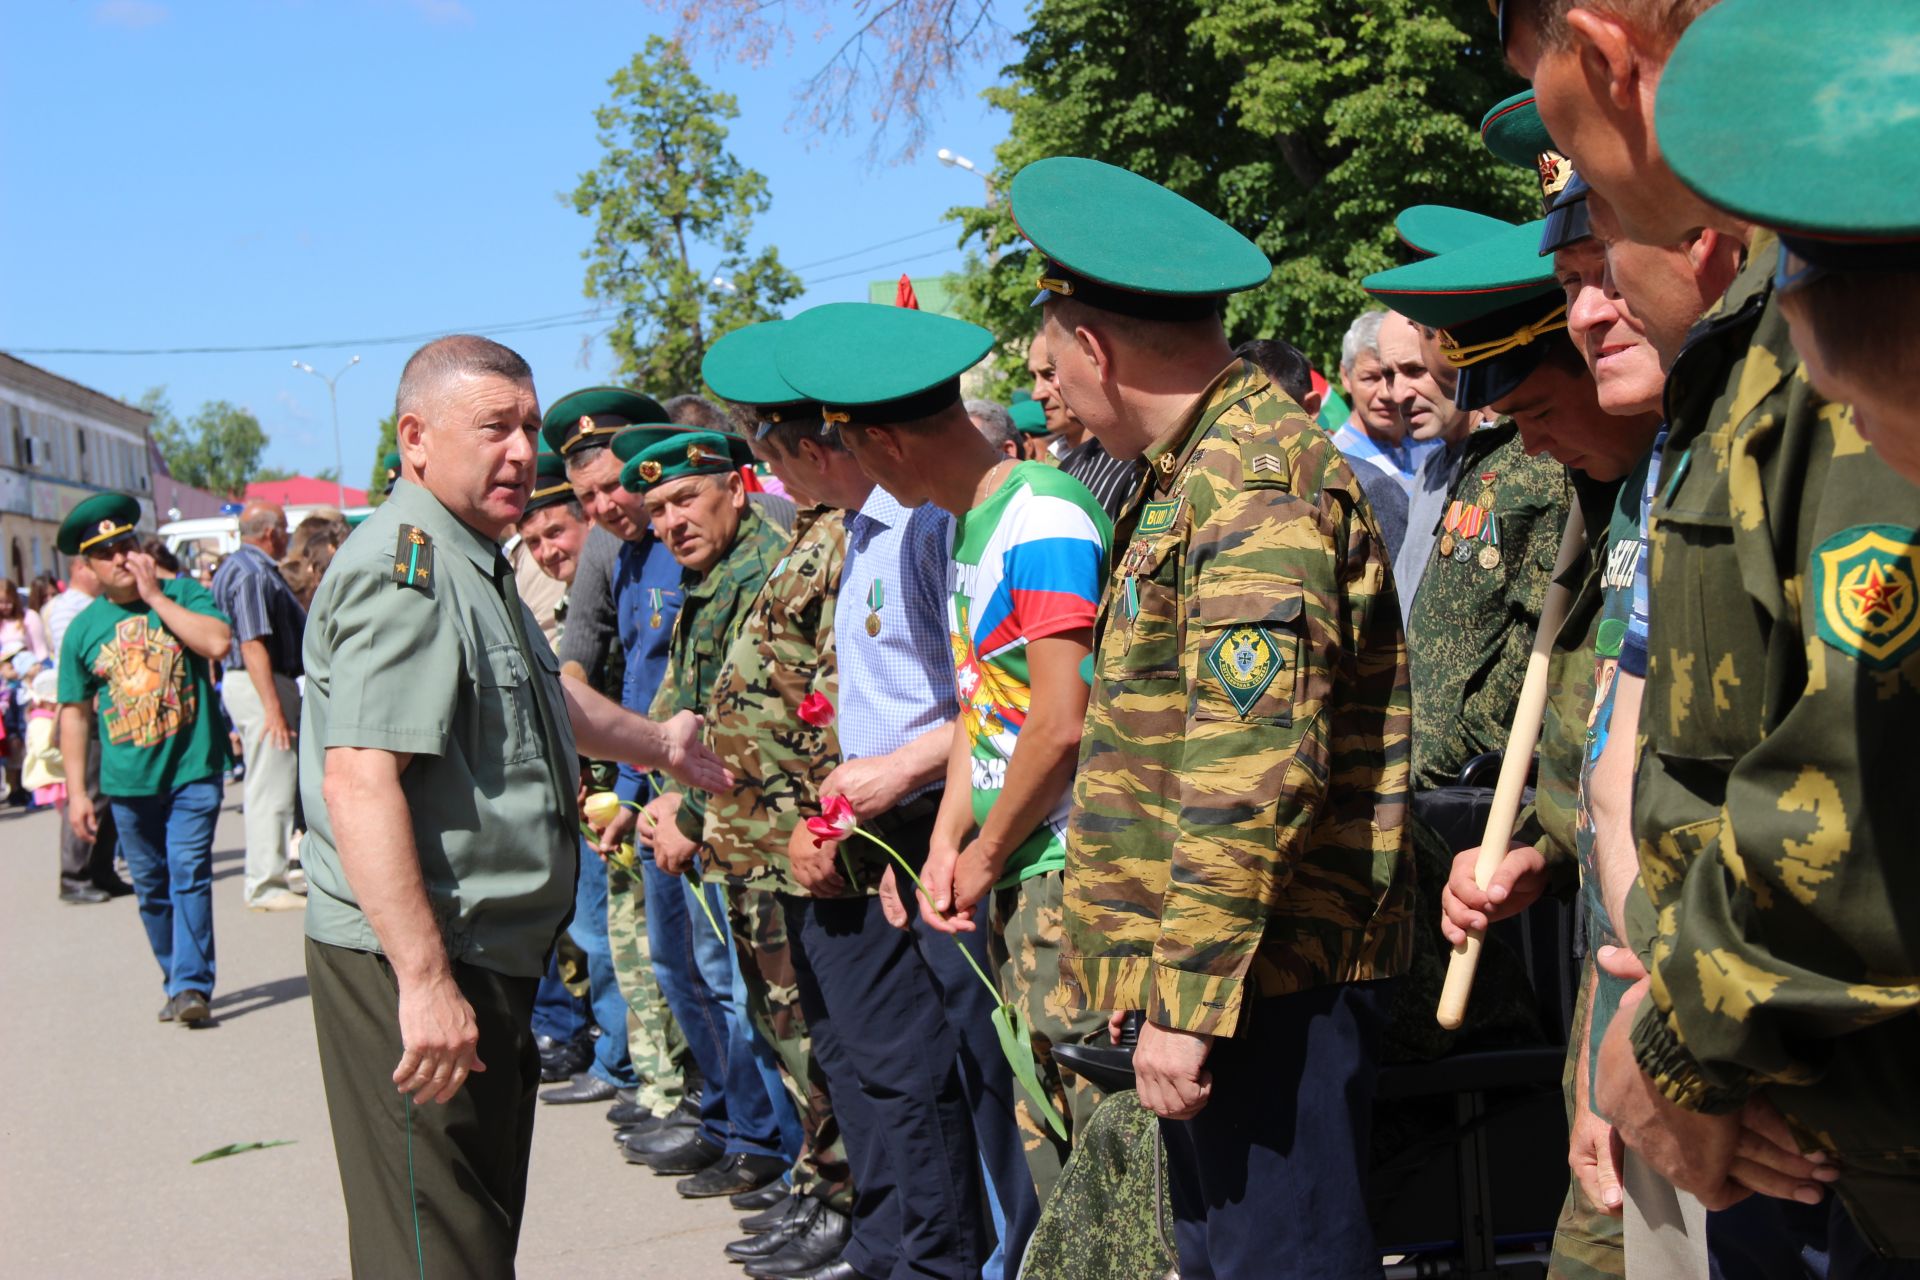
x=782, y=651
x=1239, y=826
x=1775, y=800
x=1473, y=619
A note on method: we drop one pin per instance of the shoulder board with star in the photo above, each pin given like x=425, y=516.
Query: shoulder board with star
x=413, y=559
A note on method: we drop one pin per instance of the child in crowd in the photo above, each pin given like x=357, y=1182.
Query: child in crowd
x=41, y=772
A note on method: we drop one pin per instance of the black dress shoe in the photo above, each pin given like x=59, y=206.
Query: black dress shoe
x=626, y=1109
x=838, y=1269
x=190, y=1008
x=561, y=1059
x=772, y=1196
x=768, y=1243
x=84, y=895
x=167, y=1009
x=689, y=1155
x=655, y=1140
x=738, y=1172
x=582, y=1088
x=817, y=1244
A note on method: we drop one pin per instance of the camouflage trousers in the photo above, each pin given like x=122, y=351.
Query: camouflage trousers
x=1587, y=1244
x=1027, y=933
x=1103, y=1224
x=573, y=966
x=759, y=930
x=654, y=1040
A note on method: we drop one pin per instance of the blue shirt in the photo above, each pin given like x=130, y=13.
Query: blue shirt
x=249, y=589
x=898, y=684
x=646, y=595
x=1400, y=459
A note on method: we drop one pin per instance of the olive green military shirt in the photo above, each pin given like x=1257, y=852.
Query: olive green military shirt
x=1472, y=623
x=1776, y=805
x=711, y=606
x=1239, y=822
x=431, y=667
x=782, y=651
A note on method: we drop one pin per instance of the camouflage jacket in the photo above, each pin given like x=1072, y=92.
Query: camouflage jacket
x=711, y=607
x=781, y=652
x=1776, y=808
x=1478, y=606
x=1239, y=821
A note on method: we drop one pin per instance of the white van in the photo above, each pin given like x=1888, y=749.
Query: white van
x=217, y=537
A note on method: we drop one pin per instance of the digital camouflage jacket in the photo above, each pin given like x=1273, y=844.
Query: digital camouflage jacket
x=1239, y=824
x=1776, y=803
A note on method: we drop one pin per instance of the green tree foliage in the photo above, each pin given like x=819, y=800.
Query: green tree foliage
x=389, y=442
x=673, y=211
x=218, y=449
x=1307, y=124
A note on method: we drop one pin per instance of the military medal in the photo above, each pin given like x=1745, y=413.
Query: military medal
x=1490, y=554
x=1446, y=544
x=655, y=598
x=876, y=601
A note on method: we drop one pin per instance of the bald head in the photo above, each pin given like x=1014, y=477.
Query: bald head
x=264, y=525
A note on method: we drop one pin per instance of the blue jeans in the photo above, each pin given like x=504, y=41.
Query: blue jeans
x=702, y=1018
x=589, y=933
x=558, y=1014
x=752, y=1125
x=167, y=841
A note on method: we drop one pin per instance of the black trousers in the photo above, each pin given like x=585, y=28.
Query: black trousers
x=432, y=1190
x=1269, y=1179
x=89, y=863
x=882, y=1037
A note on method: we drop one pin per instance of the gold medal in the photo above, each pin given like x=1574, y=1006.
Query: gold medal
x=1446, y=544
x=873, y=624
x=876, y=601
x=1489, y=557
x=654, y=621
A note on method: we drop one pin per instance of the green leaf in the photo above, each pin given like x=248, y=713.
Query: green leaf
x=1016, y=1042
x=235, y=1148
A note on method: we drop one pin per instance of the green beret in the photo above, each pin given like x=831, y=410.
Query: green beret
x=575, y=420
x=691, y=453
x=1492, y=301
x=550, y=484
x=1806, y=118
x=98, y=524
x=1028, y=417
x=1428, y=229
x=871, y=363
x=740, y=367
x=1121, y=242
x=391, y=466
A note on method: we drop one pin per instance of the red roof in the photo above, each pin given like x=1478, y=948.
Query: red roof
x=304, y=491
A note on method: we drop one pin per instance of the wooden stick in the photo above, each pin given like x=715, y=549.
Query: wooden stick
x=1521, y=740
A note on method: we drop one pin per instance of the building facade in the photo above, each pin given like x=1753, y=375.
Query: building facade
x=60, y=442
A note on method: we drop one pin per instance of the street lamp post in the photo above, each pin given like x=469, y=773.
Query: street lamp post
x=333, y=402
x=954, y=160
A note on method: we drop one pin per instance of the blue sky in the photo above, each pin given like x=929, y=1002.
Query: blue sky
x=184, y=173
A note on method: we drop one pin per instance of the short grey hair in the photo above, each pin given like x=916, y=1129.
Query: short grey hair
x=1363, y=337
x=258, y=522
x=463, y=355
x=995, y=423
x=697, y=411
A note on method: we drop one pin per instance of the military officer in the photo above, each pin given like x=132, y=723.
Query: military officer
x=782, y=652
x=1768, y=802
x=726, y=550
x=1249, y=640
x=437, y=745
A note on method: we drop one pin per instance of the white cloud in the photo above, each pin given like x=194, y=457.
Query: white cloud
x=129, y=15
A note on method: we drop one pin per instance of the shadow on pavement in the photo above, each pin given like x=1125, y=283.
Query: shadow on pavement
x=234, y=1004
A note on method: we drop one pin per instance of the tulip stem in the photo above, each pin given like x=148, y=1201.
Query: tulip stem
x=894, y=853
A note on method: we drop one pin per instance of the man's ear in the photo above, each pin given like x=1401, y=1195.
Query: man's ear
x=1607, y=54
x=1098, y=350
x=1311, y=402
x=408, y=436
x=736, y=490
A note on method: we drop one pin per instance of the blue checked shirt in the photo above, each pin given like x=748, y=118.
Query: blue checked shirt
x=249, y=590
x=897, y=685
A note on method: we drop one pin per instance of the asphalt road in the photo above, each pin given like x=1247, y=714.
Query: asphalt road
x=103, y=1109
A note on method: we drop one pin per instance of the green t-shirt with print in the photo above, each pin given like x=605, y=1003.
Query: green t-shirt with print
x=159, y=725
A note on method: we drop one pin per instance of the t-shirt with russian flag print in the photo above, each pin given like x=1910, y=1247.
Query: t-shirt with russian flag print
x=1027, y=564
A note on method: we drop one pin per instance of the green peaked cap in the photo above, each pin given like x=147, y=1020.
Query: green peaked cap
x=570, y=422
x=98, y=524
x=1429, y=229
x=740, y=367
x=1116, y=240
x=1470, y=282
x=550, y=485
x=689, y=453
x=872, y=363
x=1803, y=117
x=631, y=442
x=1029, y=417
x=1513, y=131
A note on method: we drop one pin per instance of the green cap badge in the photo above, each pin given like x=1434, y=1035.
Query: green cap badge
x=869, y=363
x=1124, y=243
x=98, y=524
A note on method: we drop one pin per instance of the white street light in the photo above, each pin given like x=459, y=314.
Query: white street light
x=954, y=160
x=721, y=282
x=333, y=402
